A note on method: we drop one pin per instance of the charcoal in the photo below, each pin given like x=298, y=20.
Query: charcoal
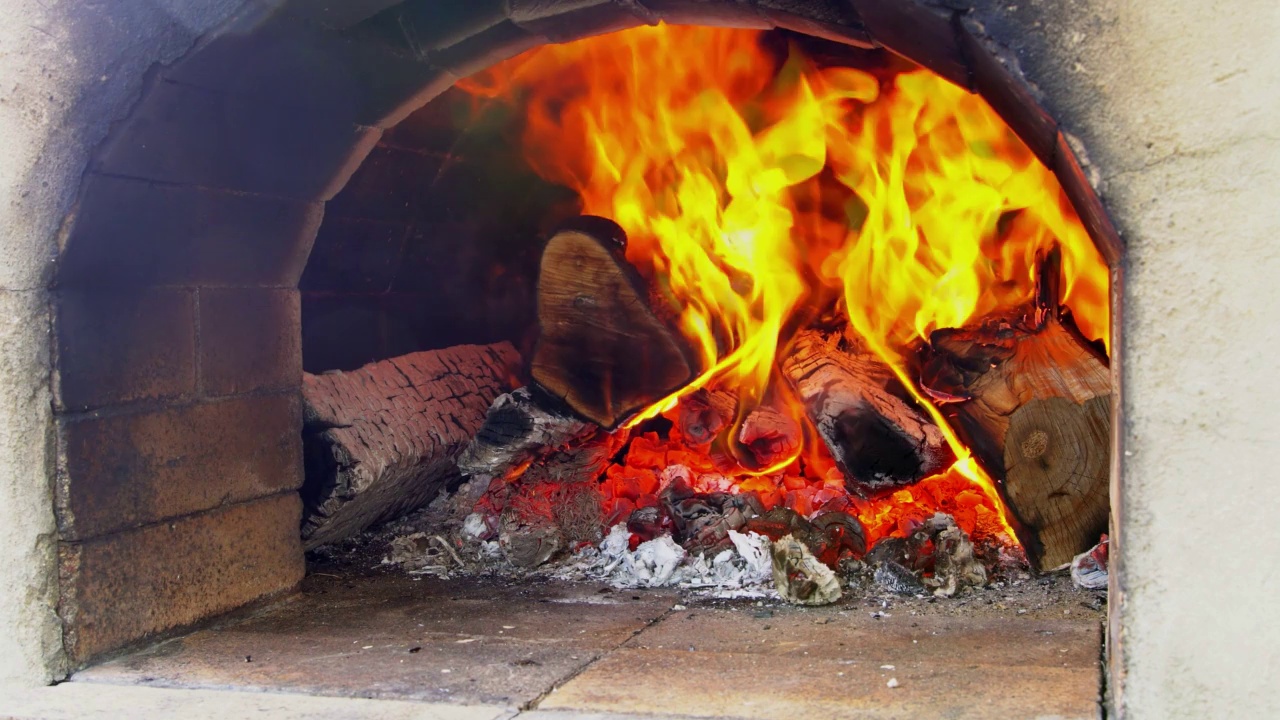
x=954, y=566
x=897, y=579
x=844, y=534
x=780, y=522
x=647, y=523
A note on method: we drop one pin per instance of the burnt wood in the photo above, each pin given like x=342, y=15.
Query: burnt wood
x=382, y=440
x=519, y=426
x=601, y=347
x=769, y=436
x=1032, y=400
x=879, y=440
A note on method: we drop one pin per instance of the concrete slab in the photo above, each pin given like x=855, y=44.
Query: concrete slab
x=780, y=661
x=760, y=686
x=390, y=636
x=583, y=652
x=74, y=701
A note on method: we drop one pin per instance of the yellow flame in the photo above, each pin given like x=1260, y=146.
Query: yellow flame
x=747, y=184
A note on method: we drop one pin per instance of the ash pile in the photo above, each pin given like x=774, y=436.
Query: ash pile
x=548, y=495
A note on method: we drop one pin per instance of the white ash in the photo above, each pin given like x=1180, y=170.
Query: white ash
x=743, y=571
x=800, y=577
x=1089, y=568
x=421, y=553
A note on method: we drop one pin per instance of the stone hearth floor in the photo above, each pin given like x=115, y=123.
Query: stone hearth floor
x=481, y=649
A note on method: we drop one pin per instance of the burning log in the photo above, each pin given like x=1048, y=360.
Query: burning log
x=704, y=413
x=878, y=440
x=601, y=347
x=382, y=440
x=535, y=466
x=1032, y=398
x=767, y=435
x=518, y=427
x=770, y=436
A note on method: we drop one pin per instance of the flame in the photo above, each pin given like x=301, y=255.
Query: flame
x=750, y=185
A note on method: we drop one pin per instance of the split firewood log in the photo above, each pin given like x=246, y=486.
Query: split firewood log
x=1032, y=399
x=703, y=413
x=519, y=426
x=602, y=348
x=766, y=436
x=382, y=440
x=769, y=436
x=879, y=440
x=536, y=465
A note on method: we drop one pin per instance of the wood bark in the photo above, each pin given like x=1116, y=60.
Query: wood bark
x=1032, y=399
x=879, y=440
x=518, y=427
x=601, y=347
x=382, y=440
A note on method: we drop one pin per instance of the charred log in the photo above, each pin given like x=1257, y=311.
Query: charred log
x=878, y=440
x=704, y=413
x=770, y=436
x=601, y=347
x=765, y=437
x=518, y=427
x=1033, y=401
x=382, y=440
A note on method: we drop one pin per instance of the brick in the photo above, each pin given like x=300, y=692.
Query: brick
x=132, y=232
x=386, y=186
x=358, y=256
x=1087, y=204
x=727, y=13
x=338, y=14
x=274, y=58
x=485, y=48
x=827, y=19
x=565, y=21
x=924, y=34
x=426, y=25
x=433, y=127
x=1009, y=96
x=128, y=587
x=191, y=136
x=122, y=471
x=118, y=347
x=343, y=332
x=249, y=340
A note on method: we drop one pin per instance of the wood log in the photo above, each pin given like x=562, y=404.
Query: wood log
x=1033, y=402
x=879, y=440
x=382, y=440
x=520, y=426
x=765, y=437
x=601, y=346
x=769, y=436
x=704, y=413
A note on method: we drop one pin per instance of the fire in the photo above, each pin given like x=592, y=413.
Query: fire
x=752, y=185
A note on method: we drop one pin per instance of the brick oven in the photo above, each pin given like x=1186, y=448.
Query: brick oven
x=286, y=187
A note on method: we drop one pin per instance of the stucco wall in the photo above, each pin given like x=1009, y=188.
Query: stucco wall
x=1176, y=105
x=67, y=70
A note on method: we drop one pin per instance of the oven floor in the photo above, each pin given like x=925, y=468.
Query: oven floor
x=558, y=650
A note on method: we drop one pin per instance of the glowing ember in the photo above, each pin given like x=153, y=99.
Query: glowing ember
x=756, y=189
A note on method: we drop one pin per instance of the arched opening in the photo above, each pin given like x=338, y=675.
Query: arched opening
x=182, y=327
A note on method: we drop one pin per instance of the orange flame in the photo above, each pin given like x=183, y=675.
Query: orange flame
x=711, y=159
